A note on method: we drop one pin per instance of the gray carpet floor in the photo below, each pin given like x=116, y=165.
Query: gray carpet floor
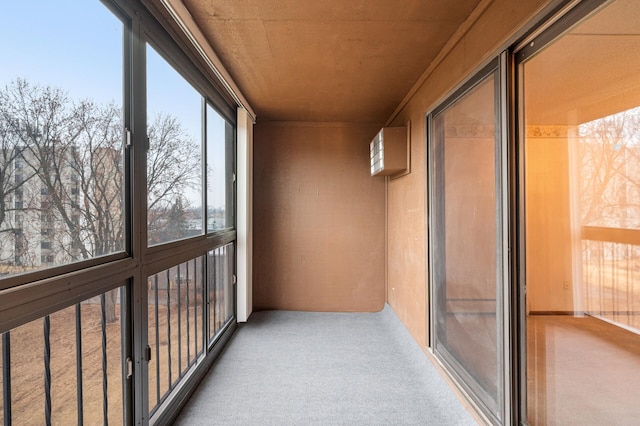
x=293, y=368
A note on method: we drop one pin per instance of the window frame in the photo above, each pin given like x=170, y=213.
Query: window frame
x=28, y=296
x=498, y=65
x=555, y=23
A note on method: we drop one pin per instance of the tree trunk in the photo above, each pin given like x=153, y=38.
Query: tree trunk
x=110, y=299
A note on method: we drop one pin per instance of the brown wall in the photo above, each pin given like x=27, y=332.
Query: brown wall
x=407, y=259
x=318, y=218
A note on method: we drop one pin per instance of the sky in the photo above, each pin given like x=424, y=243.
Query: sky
x=76, y=45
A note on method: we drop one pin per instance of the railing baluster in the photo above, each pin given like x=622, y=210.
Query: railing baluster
x=215, y=292
x=188, y=318
x=155, y=278
x=634, y=278
x=79, y=363
x=209, y=293
x=226, y=283
x=220, y=285
x=178, y=279
x=601, y=277
x=628, y=272
x=614, y=286
x=169, y=324
x=223, y=281
x=195, y=309
x=6, y=377
x=103, y=323
x=47, y=371
x=125, y=350
x=219, y=294
x=587, y=270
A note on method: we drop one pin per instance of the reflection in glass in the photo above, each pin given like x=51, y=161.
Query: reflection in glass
x=465, y=242
x=61, y=135
x=174, y=157
x=582, y=197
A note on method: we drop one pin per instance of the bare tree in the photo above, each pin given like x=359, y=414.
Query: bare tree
x=99, y=177
x=72, y=156
x=173, y=166
x=610, y=181
x=45, y=126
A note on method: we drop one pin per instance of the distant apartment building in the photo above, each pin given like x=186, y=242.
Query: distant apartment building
x=42, y=212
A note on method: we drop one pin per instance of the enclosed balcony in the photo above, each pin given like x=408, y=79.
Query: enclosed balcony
x=202, y=220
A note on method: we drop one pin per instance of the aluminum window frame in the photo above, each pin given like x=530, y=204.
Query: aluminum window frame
x=559, y=21
x=29, y=296
x=463, y=381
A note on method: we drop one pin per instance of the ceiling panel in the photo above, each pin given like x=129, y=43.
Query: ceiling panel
x=327, y=60
x=590, y=72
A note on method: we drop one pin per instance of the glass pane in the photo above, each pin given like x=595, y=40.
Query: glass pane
x=466, y=246
x=61, y=364
x=221, y=291
x=176, y=326
x=220, y=160
x=174, y=158
x=61, y=135
x=582, y=194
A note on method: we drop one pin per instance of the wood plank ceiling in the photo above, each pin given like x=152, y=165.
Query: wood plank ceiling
x=327, y=60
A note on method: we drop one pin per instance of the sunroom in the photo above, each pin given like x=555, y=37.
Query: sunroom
x=173, y=172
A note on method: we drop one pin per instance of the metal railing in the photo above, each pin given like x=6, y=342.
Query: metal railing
x=70, y=366
x=220, y=298
x=189, y=304
x=176, y=326
x=77, y=348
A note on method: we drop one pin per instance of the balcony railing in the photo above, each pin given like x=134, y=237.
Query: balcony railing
x=72, y=366
x=611, y=274
x=66, y=367
x=178, y=301
x=175, y=326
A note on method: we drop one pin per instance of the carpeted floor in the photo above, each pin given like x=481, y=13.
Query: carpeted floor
x=293, y=368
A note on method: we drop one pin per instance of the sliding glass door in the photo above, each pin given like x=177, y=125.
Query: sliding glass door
x=467, y=232
x=579, y=88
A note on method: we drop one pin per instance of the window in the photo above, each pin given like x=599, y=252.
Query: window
x=467, y=257
x=176, y=327
x=79, y=350
x=220, y=280
x=174, y=158
x=580, y=139
x=62, y=104
x=72, y=225
x=220, y=156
